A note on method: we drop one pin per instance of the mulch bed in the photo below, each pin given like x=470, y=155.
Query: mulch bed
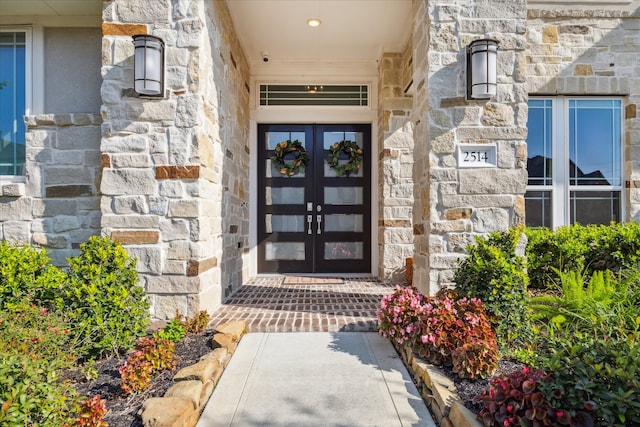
x=468, y=389
x=122, y=409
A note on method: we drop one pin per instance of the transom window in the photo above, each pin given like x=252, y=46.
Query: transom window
x=574, y=161
x=13, y=50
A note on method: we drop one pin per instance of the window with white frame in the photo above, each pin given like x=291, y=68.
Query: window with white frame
x=574, y=161
x=13, y=87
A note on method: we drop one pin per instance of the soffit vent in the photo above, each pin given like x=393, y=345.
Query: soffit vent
x=314, y=94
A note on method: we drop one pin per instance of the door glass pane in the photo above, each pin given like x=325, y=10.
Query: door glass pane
x=12, y=102
x=330, y=138
x=538, y=208
x=272, y=172
x=594, y=207
x=331, y=173
x=343, y=250
x=595, y=142
x=275, y=251
x=343, y=195
x=284, y=195
x=274, y=138
x=539, y=142
x=352, y=223
x=284, y=223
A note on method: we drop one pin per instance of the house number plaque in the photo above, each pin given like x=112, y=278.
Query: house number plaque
x=477, y=156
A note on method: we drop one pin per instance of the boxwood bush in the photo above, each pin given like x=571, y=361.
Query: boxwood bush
x=495, y=274
x=103, y=299
x=580, y=248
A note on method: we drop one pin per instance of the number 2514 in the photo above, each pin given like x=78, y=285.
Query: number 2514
x=476, y=156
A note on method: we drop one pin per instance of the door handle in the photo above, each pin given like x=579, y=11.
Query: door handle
x=319, y=221
x=309, y=220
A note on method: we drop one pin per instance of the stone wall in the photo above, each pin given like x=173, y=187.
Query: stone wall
x=175, y=169
x=456, y=204
x=57, y=207
x=591, y=52
x=395, y=167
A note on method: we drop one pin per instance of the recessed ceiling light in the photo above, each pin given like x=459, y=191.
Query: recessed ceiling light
x=313, y=22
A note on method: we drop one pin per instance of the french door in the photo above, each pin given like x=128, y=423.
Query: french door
x=314, y=221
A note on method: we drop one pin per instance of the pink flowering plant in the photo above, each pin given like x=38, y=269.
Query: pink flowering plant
x=400, y=315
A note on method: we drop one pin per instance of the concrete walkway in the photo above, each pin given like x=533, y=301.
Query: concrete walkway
x=315, y=379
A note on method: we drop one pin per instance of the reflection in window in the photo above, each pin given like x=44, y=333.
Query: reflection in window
x=343, y=250
x=12, y=102
x=539, y=142
x=594, y=142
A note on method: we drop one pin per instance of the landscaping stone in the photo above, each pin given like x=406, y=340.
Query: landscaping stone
x=201, y=371
x=234, y=329
x=189, y=389
x=183, y=402
x=169, y=412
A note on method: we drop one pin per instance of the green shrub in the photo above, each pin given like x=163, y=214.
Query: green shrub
x=496, y=275
x=173, y=331
x=577, y=248
x=103, y=298
x=38, y=333
x=31, y=393
x=26, y=273
x=599, y=373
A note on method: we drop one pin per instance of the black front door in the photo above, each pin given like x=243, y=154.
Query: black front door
x=314, y=221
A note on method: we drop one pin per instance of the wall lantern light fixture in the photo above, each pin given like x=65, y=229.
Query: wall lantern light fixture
x=148, y=65
x=482, y=69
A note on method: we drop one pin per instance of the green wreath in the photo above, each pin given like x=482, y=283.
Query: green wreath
x=355, y=157
x=300, y=158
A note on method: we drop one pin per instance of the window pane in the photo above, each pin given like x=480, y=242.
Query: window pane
x=340, y=222
x=594, y=142
x=538, y=208
x=343, y=195
x=284, y=196
x=284, y=223
x=343, y=250
x=595, y=207
x=12, y=102
x=539, y=142
x=284, y=251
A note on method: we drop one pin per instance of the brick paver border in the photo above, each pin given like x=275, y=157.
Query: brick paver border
x=292, y=304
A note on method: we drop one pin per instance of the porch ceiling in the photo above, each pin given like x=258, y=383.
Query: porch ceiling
x=351, y=30
x=51, y=7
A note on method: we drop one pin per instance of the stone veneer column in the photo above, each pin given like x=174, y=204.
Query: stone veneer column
x=175, y=170
x=395, y=168
x=452, y=204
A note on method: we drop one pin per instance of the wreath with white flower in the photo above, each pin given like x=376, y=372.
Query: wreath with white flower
x=355, y=157
x=300, y=158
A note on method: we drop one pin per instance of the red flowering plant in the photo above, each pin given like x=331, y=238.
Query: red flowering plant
x=400, y=314
x=516, y=400
x=442, y=329
x=457, y=332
